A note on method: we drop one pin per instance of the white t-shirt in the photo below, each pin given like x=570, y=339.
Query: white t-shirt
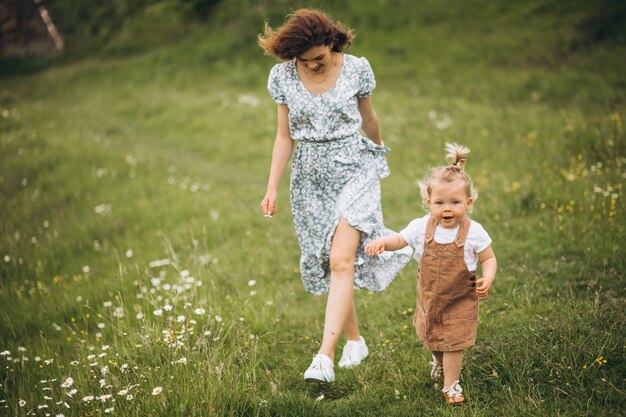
x=477, y=239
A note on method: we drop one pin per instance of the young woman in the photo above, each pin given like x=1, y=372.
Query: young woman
x=323, y=98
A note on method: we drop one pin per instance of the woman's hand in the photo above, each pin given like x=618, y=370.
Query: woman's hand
x=375, y=247
x=268, y=205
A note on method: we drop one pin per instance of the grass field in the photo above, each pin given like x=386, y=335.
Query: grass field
x=134, y=260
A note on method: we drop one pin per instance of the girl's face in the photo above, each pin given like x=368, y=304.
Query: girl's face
x=316, y=58
x=448, y=203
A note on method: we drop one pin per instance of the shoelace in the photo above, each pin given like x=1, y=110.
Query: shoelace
x=317, y=363
x=436, y=369
x=454, y=389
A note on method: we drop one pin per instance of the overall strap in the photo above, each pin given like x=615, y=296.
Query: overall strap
x=463, y=230
x=430, y=230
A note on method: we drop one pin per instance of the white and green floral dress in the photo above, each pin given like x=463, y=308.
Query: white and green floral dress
x=336, y=173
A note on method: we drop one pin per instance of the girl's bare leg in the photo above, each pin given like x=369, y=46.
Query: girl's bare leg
x=340, y=302
x=438, y=356
x=452, y=362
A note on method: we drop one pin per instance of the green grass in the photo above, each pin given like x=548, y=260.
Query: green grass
x=138, y=154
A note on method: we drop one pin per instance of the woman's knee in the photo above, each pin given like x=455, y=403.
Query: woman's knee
x=342, y=264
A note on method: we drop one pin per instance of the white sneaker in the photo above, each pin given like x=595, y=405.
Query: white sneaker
x=353, y=353
x=320, y=370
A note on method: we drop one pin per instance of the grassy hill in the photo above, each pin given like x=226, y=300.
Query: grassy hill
x=133, y=255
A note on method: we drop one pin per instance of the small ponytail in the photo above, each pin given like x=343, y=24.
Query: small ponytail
x=458, y=154
x=450, y=173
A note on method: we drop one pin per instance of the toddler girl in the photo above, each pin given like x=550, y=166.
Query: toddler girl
x=448, y=245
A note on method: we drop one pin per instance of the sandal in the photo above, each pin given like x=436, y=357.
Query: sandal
x=436, y=369
x=454, y=394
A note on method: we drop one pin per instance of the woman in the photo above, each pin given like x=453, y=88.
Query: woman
x=323, y=98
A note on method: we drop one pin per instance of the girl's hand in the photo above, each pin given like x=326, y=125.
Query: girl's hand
x=268, y=205
x=483, y=286
x=375, y=247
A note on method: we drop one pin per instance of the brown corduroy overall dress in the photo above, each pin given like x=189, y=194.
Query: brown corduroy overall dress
x=446, y=315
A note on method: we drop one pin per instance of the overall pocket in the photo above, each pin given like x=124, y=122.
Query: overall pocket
x=459, y=330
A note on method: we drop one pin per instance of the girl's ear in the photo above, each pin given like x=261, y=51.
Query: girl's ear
x=470, y=201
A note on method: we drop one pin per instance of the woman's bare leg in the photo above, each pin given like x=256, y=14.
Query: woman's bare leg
x=340, y=302
x=351, y=328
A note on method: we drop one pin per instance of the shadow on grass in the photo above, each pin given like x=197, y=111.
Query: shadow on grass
x=11, y=66
x=329, y=391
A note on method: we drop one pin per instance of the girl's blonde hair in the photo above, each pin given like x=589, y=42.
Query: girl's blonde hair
x=449, y=173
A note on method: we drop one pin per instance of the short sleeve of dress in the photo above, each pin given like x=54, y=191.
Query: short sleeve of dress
x=367, y=82
x=274, y=85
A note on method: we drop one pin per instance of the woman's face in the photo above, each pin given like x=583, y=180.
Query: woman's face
x=316, y=58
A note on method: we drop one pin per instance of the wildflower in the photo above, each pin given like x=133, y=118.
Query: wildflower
x=182, y=361
x=48, y=361
x=68, y=382
x=218, y=319
x=123, y=392
x=71, y=392
x=139, y=316
x=129, y=397
x=251, y=283
x=107, y=304
x=104, y=370
x=104, y=397
x=118, y=312
x=129, y=253
x=22, y=403
x=5, y=353
x=158, y=312
x=159, y=262
x=42, y=406
x=168, y=307
x=157, y=390
x=88, y=398
x=199, y=311
x=21, y=348
x=105, y=347
x=101, y=325
x=108, y=410
x=181, y=319
x=103, y=209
